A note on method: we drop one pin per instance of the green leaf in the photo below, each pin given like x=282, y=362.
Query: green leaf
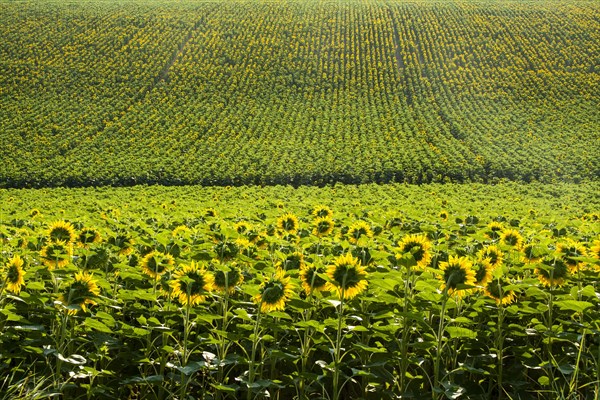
x=96, y=325
x=460, y=332
x=573, y=305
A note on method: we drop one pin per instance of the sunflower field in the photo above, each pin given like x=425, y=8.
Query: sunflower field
x=344, y=292
x=298, y=92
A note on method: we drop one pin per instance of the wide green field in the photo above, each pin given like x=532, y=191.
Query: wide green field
x=298, y=92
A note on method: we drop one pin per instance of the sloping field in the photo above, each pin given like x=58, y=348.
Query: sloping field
x=255, y=92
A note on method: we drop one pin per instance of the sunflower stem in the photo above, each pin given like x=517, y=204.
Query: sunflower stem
x=338, y=346
x=251, y=366
x=438, y=352
x=185, y=356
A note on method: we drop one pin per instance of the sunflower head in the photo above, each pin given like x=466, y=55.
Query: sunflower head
x=242, y=227
x=322, y=211
x=493, y=254
x=494, y=229
x=443, y=215
x=483, y=271
x=359, y=230
x=530, y=253
x=323, y=226
x=88, y=236
x=347, y=277
x=14, y=275
x=226, y=250
x=56, y=254
x=293, y=260
x=287, y=224
x=511, y=238
x=419, y=246
x=191, y=284
x=569, y=250
x=494, y=289
x=34, y=213
x=455, y=272
x=80, y=292
x=552, y=271
x=309, y=275
x=274, y=292
x=124, y=243
x=62, y=231
x=595, y=252
x=180, y=231
x=155, y=264
x=210, y=212
x=227, y=280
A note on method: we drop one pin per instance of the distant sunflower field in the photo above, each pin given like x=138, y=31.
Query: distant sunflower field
x=298, y=92
x=343, y=292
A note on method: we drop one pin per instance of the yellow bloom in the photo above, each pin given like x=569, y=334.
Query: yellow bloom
x=274, y=292
x=511, y=237
x=443, y=215
x=191, y=284
x=226, y=281
x=310, y=278
x=347, y=277
x=56, y=254
x=483, y=273
x=493, y=253
x=494, y=229
x=418, y=245
x=570, y=249
x=322, y=212
x=323, y=226
x=494, y=289
x=242, y=227
x=287, y=224
x=14, y=274
x=293, y=260
x=359, y=229
x=62, y=231
x=80, y=292
x=457, y=271
x=88, y=236
x=552, y=271
x=180, y=231
x=154, y=264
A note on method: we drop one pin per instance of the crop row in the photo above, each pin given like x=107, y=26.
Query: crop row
x=298, y=92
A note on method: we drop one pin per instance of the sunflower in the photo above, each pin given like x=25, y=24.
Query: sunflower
x=274, y=292
x=88, y=236
x=80, y=292
x=323, y=226
x=15, y=276
x=293, y=260
x=494, y=289
x=457, y=271
x=511, y=237
x=418, y=245
x=552, y=271
x=191, y=284
x=154, y=264
x=227, y=280
x=246, y=247
x=287, y=224
x=347, y=277
x=493, y=253
x=310, y=278
x=34, y=213
x=595, y=253
x=494, y=229
x=180, y=231
x=359, y=229
x=322, y=212
x=56, y=254
x=530, y=253
x=62, y=231
x=483, y=272
x=570, y=249
x=210, y=212
x=242, y=227
x=443, y=215
x=124, y=243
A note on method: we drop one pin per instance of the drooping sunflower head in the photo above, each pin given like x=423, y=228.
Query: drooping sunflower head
x=155, y=264
x=62, y=231
x=511, y=238
x=552, y=271
x=595, y=253
x=210, y=212
x=226, y=249
x=242, y=227
x=80, y=293
x=322, y=211
x=225, y=280
x=569, y=250
x=419, y=246
x=493, y=253
x=274, y=292
x=56, y=254
x=483, y=271
x=14, y=275
x=180, y=231
x=358, y=230
x=309, y=275
x=88, y=236
x=347, y=277
x=323, y=226
x=191, y=284
x=443, y=215
x=34, y=213
x=494, y=229
x=495, y=290
x=287, y=224
x=291, y=261
x=455, y=272
x=124, y=243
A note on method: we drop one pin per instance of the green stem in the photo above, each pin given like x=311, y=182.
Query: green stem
x=338, y=348
x=438, y=352
x=185, y=356
x=251, y=366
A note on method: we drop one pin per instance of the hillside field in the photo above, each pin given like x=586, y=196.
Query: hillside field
x=298, y=92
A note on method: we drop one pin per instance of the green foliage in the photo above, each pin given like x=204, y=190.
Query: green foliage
x=298, y=92
x=404, y=335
